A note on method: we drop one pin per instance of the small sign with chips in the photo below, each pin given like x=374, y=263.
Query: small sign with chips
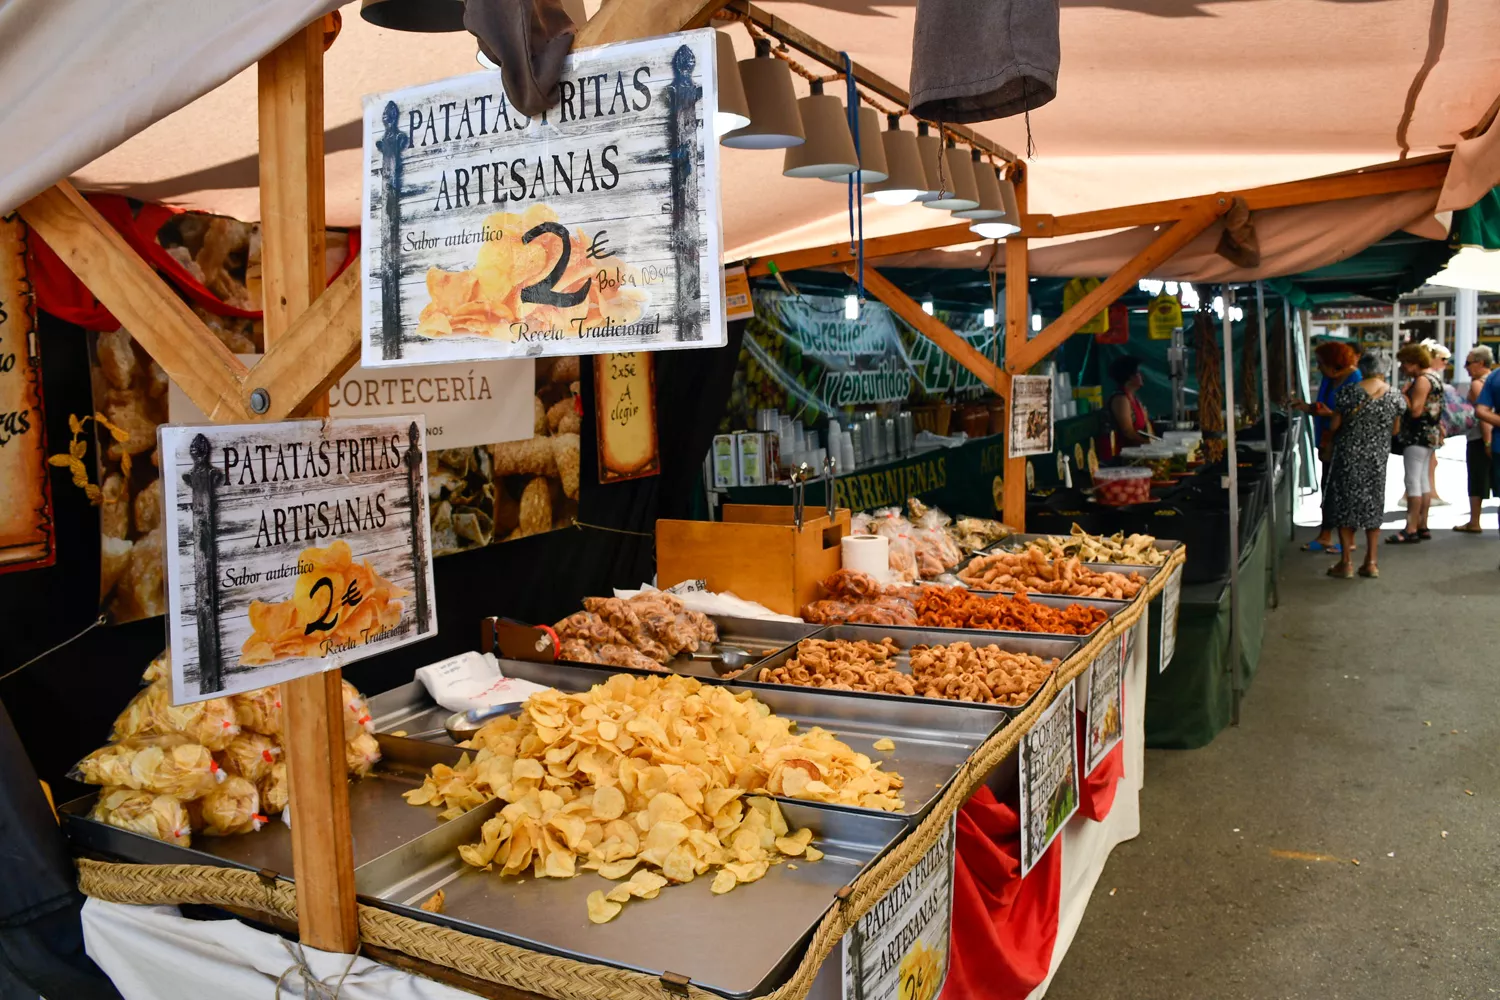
x=1104, y=715
x=292, y=548
x=1171, y=604
x=1049, y=777
x=592, y=227
x=899, y=949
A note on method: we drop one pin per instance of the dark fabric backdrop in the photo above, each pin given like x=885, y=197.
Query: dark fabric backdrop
x=64, y=704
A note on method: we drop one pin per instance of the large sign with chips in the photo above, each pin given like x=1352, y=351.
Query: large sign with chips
x=292, y=548
x=899, y=950
x=1049, y=777
x=26, y=535
x=591, y=228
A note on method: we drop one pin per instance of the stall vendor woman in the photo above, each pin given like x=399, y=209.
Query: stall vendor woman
x=1127, y=423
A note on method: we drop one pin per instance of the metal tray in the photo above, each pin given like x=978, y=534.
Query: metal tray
x=1014, y=542
x=1110, y=608
x=379, y=817
x=1059, y=648
x=759, y=636
x=741, y=944
x=933, y=738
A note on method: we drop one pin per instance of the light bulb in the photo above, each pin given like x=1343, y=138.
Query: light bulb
x=989, y=316
x=851, y=307
x=898, y=196
x=927, y=306
x=994, y=230
x=1036, y=322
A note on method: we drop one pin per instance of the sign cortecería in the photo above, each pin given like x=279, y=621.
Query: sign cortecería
x=591, y=228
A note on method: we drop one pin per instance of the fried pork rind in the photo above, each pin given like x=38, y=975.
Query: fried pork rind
x=162, y=765
x=280, y=630
x=648, y=771
x=1036, y=570
x=956, y=607
x=159, y=816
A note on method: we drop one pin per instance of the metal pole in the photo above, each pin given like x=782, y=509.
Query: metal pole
x=1272, y=465
x=1294, y=442
x=1395, y=341
x=1231, y=457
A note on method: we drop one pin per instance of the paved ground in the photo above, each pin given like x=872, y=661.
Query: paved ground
x=1371, y=733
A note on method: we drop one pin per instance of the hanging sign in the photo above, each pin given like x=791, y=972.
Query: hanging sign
x=594, y=226
x=1049, y=780
x=26, y=539
x=1030, y=416
x=1073, y=293
x=737, y=302
x=625, y=407
x=899, y=950
x=1118, y=328
x=292, y=548
x=1104, y=716
x=1164, y=317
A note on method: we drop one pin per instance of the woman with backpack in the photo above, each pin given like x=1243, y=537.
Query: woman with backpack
x=1477, y=457
x=1420, y=435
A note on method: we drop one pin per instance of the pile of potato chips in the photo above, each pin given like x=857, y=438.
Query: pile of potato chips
x=655, y=770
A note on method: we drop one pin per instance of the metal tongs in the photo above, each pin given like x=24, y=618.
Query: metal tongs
x=830, y=470
x=800, y=475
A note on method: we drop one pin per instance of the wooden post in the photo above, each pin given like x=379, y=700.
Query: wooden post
x=292, y=219
x=1017, y=328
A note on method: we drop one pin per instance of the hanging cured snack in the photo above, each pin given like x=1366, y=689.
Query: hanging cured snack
x=1210, y=385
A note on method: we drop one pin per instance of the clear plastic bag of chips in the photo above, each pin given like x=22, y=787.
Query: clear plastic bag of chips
x=362, y=754
x=233, y=807
x=250, y=755
x=163, y=765
x=274, y=789
x=159, y=816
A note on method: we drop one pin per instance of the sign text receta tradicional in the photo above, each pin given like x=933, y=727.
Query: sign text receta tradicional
x=593, y=227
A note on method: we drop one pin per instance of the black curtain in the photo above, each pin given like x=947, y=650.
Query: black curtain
x=64, y=704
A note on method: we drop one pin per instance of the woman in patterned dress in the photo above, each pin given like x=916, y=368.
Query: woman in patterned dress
x=1363, y=417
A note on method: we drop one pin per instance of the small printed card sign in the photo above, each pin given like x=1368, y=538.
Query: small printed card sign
x=899, y=949
x=1104, y=717
x=625, y=408
x=1171, y=604
x=1030, y=416
x=26, y=531
x=1049, y=778
x=292, y=548
x=594, y=226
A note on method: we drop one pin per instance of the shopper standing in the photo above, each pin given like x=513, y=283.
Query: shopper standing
x=1477, y=455
x=1364, y=414
x=1487, y=410
x=1338, y=361
x=1439, y=367
x=1421, y=432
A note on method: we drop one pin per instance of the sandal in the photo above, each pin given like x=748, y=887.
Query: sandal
x=1403, y=538
x=1342, y=571
x=1469, y=529
x=1369, y=572
x=1332, y=548
x=1425, y=535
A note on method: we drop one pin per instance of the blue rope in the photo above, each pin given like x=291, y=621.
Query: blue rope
x=856, y=202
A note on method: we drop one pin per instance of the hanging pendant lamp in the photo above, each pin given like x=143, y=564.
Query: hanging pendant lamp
x=774, y=121
x=414, y=15
x=829, y=150
x=734, y=110
x=930, y=151
x=987, y=183
x=1009, y=221
x=873, y=167
x=964, y=195
x=907, y=180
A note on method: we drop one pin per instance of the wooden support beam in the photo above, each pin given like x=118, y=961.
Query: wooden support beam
x=1017, y=328
x=827, y=55
x=313, y=353
x=292, y=220
x=144, y=304
x=1393, y=178
x=622, y=20
x=957, y=348
x=1158, y=251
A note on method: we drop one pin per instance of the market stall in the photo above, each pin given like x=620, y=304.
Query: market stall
x=767, y=811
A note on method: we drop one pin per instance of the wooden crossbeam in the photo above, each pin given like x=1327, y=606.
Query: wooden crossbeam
x=1391, y=178
x=621, y=20
x=303, y=363
x=144, y=304
x=1159, y=250
x=933, y=329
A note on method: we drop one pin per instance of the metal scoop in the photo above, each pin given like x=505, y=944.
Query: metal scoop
x=462, y=726
x=732, y=658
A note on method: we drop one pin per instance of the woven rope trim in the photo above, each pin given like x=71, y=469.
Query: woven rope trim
x=567, y=979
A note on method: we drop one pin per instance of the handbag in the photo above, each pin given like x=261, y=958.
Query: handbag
x=1458, y=413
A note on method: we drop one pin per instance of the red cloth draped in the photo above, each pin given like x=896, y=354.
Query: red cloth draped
x=1096, y=794
x=61, y=293
x=1004, y=926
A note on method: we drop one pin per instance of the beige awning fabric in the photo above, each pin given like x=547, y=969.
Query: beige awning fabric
x=1156, y=99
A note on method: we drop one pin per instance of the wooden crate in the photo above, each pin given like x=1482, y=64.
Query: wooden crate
x=756, y=553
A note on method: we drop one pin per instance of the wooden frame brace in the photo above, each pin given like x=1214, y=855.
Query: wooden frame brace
x=940, y=334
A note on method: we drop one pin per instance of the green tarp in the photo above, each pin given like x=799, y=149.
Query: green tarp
x=1479, y=225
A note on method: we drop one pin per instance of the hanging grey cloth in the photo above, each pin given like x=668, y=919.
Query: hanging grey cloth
x=977, y=60
x=529, y=39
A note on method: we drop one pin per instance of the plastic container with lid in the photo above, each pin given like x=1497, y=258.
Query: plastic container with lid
x=1119, y=486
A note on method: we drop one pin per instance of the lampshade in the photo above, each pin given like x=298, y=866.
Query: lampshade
x=930, y=151
x=1008, y=223
x=414, y=15
x=734, y=110
x=873, y=168
x=774, y=121
x=829, y=149
x=965, y=194
x=907, y=180
x=988, y=184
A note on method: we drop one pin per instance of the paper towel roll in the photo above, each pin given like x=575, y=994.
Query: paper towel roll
x=866, y=554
